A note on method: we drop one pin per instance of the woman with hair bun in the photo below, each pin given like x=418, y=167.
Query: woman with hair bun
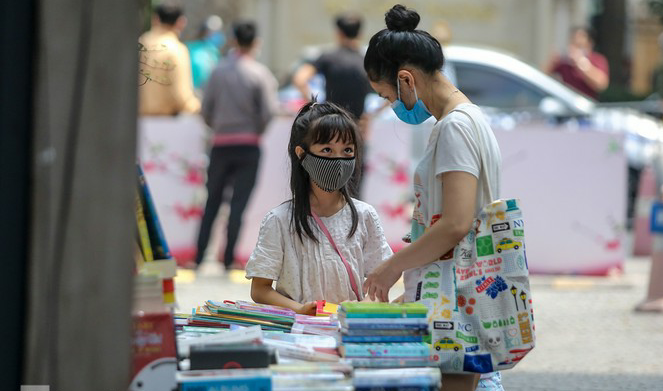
x=458, y=173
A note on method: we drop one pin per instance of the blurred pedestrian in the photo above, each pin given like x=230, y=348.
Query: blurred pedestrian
x=581, y=67
x=165, y=65
x=239, y=101
x=205, y=51
x=346, y=83
x=404, y=67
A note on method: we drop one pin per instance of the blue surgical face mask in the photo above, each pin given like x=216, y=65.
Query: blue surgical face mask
x=418, y=114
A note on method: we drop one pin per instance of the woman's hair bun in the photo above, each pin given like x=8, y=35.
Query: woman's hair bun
x=399, y=18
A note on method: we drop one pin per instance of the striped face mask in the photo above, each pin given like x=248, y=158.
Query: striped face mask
x=330, y=174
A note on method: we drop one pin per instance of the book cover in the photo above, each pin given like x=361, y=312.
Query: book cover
x=299, y=328
x=265, y=309
x=143, y=234
x=204, y=314
x=225, y=380
x=324, y=308
x=383, y=332
x=316, y=320
x=157, y=238
x=402, y=377
x=391, y=362
x=384, y=323
x=413, y=349
x=355, y=307
x=357, y=315
x=231, y=309
x=381, y=338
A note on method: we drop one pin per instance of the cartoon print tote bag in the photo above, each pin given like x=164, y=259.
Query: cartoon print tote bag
x=480, y=305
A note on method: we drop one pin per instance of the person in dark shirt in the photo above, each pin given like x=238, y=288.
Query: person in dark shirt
x=581, y=67
x=346, y=83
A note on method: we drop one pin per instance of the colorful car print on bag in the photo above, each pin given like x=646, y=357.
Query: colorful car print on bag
x=507, y=244
x=447, y=344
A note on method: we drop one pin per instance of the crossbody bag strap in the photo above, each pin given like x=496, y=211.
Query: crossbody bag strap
x=353, y=283
x=483, y=174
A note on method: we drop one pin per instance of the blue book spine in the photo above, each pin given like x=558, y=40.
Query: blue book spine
x=162, y=245
x=228, y=384
x=381, y=338
x=386, y=350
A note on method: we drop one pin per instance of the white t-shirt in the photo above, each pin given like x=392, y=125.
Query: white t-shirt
x=453, y=146
x=306, y=271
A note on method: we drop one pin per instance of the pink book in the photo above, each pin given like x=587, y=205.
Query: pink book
x=264, y=308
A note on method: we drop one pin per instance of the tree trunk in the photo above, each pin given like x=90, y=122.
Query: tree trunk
x=80, y=264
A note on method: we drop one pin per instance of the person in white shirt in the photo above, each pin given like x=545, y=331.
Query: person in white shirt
x=321, y=243
x=403, y=65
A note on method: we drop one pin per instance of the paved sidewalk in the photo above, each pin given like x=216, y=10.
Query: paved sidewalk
x=588, y=337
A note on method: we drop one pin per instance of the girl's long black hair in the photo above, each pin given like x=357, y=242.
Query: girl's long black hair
x=318, y=123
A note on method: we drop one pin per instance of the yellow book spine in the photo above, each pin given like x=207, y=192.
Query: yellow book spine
x=142, y=231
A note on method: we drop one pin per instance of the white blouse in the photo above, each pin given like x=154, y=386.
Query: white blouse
x=306, y=271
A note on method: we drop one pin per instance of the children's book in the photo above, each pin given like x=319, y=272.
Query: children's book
x=231, y=309
x=324, y=308
x=397, y=379
x=381, y=338
x=381, y=332
x=225, y=380
x=390, y=362
x=402, y=309
x=384, y=323
x=143, y=234
x=264, y=308
x=157, y=238
x=301, y=328
x=316, y=320
x=207, y=314
x=411, y=349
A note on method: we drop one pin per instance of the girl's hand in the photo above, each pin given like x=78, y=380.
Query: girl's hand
x=380, y=280
x=307, y=308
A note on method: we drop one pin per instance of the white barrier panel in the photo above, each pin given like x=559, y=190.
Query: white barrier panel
x=572, y=186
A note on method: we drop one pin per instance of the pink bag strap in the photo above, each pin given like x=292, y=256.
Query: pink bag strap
x=353, y=283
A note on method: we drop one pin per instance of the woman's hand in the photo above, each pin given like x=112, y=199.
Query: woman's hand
x=307, y=308
x=380, y=280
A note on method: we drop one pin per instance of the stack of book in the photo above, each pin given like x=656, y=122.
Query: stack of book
x=152, y=254
x=316, y=325
x=302, y=347
x=244, y=313
x=384, y=334
x=225, y=379
x=307, y=376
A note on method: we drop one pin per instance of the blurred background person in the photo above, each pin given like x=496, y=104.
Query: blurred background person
x=240, y=99
x=205, y=51
x=581, y=67
x=346, y=83
x=165, y=64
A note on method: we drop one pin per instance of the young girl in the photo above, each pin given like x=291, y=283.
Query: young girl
x=294, y=247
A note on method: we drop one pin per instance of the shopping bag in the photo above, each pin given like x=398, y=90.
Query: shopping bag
x=479, y=298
